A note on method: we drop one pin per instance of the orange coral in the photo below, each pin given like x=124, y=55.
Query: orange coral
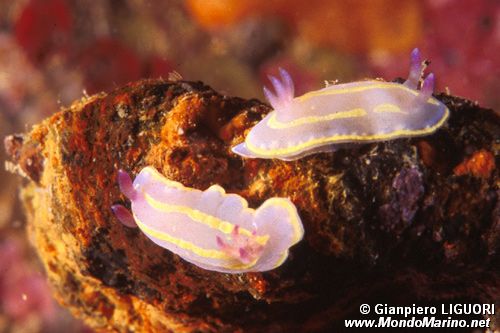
x=480, y=164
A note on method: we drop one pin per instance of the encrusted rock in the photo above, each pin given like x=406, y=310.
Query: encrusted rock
x=399, y=222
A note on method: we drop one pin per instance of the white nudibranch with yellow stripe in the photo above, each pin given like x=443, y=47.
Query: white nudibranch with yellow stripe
x=356, y=112
x=211, y=229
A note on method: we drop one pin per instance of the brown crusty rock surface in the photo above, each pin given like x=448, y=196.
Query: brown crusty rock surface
x=399, y=222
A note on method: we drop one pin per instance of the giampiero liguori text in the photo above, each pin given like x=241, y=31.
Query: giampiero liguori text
x=444, y=309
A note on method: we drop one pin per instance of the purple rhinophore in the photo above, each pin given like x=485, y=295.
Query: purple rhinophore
x=124, y=215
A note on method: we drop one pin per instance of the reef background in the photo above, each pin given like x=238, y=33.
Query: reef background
x=53, y=52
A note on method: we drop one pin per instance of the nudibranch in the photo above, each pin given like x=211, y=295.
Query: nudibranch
x=211, y=229
x=357, y=112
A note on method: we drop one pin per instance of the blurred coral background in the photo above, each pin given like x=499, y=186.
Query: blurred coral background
x=53, y=52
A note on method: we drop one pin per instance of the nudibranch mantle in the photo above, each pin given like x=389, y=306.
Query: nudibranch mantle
x=211, y=229
x=357, y=112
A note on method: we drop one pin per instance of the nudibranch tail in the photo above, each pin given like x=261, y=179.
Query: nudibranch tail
x=242, y=150
x=284, y=90
x=126, y=185
x=288, y=227
x=124, y=215
x=211, y=229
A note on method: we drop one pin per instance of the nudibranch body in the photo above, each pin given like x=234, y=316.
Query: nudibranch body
x=356, y=112
x=211, y=229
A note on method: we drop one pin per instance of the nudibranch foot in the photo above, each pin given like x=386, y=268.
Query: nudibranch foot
x=124, y=215
x=211, y=229
x=350, y=113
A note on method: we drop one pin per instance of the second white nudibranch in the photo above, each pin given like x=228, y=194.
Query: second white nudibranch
x=211, y=229
x=356, y=112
